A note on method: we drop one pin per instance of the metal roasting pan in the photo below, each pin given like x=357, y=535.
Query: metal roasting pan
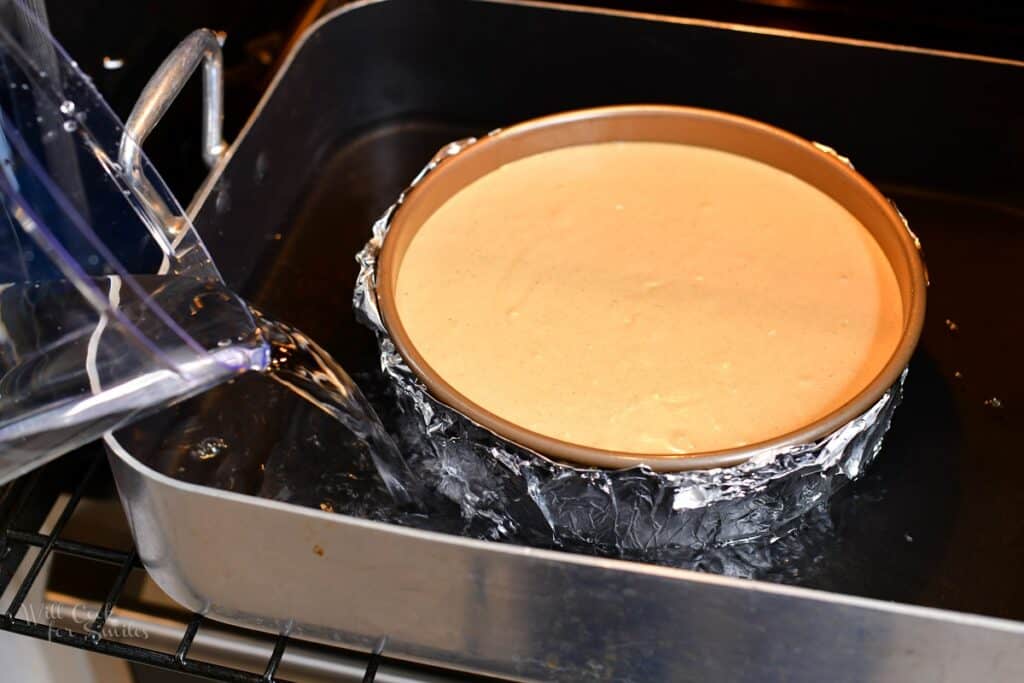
x=364, y=99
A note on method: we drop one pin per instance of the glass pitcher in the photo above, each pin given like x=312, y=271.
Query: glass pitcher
x=110, y=306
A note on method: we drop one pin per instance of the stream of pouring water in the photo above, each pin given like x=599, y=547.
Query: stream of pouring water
x=297, y=363
x=295, y=428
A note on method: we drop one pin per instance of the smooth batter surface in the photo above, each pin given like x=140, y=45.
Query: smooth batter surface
x=649, y=298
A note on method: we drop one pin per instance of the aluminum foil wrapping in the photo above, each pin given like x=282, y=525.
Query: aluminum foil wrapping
x=506, y=491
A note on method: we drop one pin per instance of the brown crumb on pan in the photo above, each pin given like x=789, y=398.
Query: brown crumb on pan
x=317, y=550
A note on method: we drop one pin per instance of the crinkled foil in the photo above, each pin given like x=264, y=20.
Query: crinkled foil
x=509, y=491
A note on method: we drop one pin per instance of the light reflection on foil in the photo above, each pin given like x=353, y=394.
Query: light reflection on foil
x=731, y=520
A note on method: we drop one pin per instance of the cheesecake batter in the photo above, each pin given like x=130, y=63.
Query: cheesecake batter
x=649, y=298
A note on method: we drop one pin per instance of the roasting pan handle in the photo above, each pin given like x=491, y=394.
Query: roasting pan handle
x=201, y=46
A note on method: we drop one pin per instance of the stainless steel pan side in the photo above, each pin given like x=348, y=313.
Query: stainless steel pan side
x=526, y=613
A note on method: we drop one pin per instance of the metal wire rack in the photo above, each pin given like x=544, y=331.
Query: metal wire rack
x=24, y=504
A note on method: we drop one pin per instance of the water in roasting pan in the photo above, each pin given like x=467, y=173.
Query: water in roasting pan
x=299, y=431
